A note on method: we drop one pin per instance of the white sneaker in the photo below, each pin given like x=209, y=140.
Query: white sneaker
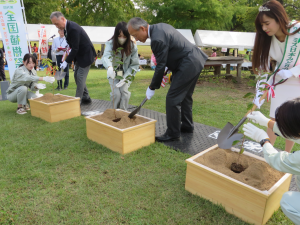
x=21, y=111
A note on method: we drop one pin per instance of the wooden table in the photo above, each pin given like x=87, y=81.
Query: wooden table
x=218, y=61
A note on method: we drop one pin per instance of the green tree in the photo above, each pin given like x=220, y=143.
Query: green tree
x=98, y=12
x=39, y=11
x=192, y=14
x=292, y=8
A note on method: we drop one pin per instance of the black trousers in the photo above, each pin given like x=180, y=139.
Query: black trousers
x=2, y=72
x=59, y=82
x=179, y=101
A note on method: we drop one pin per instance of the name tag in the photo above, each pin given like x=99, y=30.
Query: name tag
x=120, y=73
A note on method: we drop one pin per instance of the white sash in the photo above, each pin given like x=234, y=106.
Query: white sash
x=292, y=50
x=289, y=60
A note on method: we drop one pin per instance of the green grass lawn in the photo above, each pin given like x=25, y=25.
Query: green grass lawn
x=51, y=173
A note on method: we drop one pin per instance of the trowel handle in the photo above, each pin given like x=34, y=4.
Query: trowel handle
x=255, y=106
x=143, y=102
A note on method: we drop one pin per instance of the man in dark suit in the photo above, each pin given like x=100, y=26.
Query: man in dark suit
x=186, y=61
x=82, y=53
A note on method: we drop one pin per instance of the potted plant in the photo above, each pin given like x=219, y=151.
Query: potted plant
x=247, y=202
x=54, y=108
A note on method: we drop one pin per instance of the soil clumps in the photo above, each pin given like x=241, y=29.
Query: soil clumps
x=50, y=98
x=257, y=173
x=125, y=122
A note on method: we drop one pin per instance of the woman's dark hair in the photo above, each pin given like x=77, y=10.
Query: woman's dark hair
x=27, y=58
x=122, y=26
x=214, y=49
x=287, y=117
x=263, y=40
x=247, y=52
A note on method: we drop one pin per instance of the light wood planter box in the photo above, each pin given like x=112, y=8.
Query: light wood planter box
x=54, y=112
x=242, y=200
x=121, y=140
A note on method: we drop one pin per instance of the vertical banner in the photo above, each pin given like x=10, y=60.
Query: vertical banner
x=43, y=42
x=13, y=33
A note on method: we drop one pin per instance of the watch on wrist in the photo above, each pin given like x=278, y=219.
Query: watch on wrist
x=263, y=141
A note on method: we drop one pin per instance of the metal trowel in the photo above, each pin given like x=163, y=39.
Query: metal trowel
x=229, y=133
x=137, y=109
x=59, y=75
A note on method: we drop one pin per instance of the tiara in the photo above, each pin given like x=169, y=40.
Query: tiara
x=262, y=8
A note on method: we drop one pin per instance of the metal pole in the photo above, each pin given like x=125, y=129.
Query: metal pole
x=25, y=21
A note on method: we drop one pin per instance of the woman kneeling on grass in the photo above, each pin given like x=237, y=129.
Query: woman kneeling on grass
x=25, y=77
x=287, y=125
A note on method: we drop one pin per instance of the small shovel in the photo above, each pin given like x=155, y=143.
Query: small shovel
x=229, y=133
x=59, y=75
x=137, y=109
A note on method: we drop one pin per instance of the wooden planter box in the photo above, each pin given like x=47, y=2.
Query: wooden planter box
x=56, y=111
x=242, y=200
x=121, y=140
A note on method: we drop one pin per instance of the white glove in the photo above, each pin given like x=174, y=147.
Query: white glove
x=149, y=93
x=49, y=79
x=111, y=73
x=40, y=86
x=254, y=132
x=259, y=92
x=285, y=74
x=258, y=117
x=63, y=65
x=121, y=83
x=256, y=99
x=37, y=94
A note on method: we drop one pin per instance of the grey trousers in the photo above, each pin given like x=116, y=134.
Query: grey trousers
x=80, y=76
x=121, y=95
x=20, y=95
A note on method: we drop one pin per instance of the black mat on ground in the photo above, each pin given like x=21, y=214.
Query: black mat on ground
x=203, y=137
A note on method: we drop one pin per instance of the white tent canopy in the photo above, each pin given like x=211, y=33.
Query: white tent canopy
x=98, y=35
x=225, y=39
x=187, y=33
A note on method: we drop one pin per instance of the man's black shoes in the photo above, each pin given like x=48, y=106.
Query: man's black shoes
x=166, y=137
x=86, y=101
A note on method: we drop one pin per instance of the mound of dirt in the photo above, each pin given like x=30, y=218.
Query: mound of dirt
x=109, y=115
x=50, y=98
x=257, y=173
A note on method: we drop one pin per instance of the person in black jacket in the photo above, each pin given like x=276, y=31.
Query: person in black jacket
x=2, y=73
x=171, y=49
x=82, y=53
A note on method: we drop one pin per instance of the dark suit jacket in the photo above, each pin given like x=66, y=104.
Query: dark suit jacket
x=83, y=51
x=1, y=57
x=172, y=49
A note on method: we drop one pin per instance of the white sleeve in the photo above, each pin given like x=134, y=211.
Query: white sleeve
x=295, y=70
x=282, y=161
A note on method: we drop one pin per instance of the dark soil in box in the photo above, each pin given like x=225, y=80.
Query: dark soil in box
x=125, y=122
x=50, y=98
x=257, y=173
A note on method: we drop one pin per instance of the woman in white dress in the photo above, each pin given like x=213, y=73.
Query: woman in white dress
x=278, y=38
